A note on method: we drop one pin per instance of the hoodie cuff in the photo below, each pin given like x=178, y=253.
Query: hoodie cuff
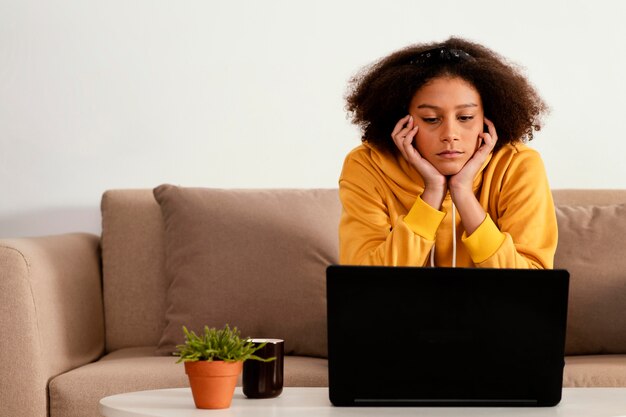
x=484, y=242
x=424, y=220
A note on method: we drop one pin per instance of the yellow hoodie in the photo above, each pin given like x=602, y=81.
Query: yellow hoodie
x=385, y=222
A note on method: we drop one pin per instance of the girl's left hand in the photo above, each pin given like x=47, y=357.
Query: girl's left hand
x=464, y=179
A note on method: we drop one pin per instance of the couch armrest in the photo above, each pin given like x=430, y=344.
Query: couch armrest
x=51, y=315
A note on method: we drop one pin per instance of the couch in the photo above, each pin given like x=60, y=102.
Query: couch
x=85, y=316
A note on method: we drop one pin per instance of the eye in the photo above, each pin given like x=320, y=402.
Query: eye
x=430, y=120
x=466, y=118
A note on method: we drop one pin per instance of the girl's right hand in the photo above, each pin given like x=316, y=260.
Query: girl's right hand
x=403, y=135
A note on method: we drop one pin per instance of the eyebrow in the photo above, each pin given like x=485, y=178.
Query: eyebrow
x=460, y=106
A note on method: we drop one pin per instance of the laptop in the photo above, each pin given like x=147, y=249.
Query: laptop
x=405, y=336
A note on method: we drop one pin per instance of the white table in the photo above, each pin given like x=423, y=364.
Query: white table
x=178, y=402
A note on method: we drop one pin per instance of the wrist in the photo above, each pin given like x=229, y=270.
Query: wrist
x=457, y=191
x=471, y=212
x=433, y=195
x=436, y=184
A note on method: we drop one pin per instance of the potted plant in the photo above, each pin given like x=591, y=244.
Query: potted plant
x=213, y=362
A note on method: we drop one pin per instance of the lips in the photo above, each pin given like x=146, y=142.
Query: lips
x=450, y=154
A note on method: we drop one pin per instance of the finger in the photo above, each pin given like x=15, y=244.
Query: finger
x=492, y=128
x=486, y=139
x=490, y=140
x=398, y=138
x=405, y=128
x=404, y=138
x=400, y=125
x=402, y=151
x=407, y=143
x=410, y=135
x=399, y=141
x=488, y=143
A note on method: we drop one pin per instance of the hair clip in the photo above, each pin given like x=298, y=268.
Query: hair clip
x=442, y=54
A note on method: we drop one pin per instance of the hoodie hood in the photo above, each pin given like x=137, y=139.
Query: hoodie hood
x=401, y=177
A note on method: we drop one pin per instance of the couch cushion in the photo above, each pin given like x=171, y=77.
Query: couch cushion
x=254, y=259
x=591, y=247
x=595, y=371
x=77, y=393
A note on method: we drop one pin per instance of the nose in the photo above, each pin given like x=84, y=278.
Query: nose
x=449, y=131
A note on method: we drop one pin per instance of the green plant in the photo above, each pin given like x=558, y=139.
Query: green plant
x=217, y=344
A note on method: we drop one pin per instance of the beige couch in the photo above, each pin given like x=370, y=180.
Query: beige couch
x=82, y=316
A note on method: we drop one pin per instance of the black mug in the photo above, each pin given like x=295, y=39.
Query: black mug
x=264, y=379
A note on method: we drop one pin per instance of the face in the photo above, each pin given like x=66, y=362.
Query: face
x=449, y=113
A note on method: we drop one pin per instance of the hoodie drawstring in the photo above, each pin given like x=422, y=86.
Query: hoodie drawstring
x=432, y=250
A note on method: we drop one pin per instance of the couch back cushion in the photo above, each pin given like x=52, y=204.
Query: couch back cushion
x=255, y=259
x=136, y=284
x=591, y=241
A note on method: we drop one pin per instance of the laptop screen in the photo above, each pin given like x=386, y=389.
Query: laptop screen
x=444, y=336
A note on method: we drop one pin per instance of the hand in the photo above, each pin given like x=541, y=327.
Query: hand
x=460, y=184
x=403, y=135
x=462, y=181
x=435, y=183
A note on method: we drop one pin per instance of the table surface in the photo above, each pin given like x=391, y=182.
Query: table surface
x=178, y=402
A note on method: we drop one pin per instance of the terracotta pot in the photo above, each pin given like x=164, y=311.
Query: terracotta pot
x=213, y=383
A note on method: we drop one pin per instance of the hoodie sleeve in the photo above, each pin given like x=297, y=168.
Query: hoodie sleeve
x=524, y=233
x=367, y=233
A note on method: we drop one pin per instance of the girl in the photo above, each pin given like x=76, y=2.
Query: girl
x=443, y=177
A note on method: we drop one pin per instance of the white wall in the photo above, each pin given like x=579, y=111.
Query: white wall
x=97, y=95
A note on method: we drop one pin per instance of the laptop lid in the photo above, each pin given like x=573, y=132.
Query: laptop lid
x=401, y=336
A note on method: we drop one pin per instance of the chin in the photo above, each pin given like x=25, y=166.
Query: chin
x=448, y=170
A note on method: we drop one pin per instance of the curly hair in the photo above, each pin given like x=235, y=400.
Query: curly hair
x=379, y=95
